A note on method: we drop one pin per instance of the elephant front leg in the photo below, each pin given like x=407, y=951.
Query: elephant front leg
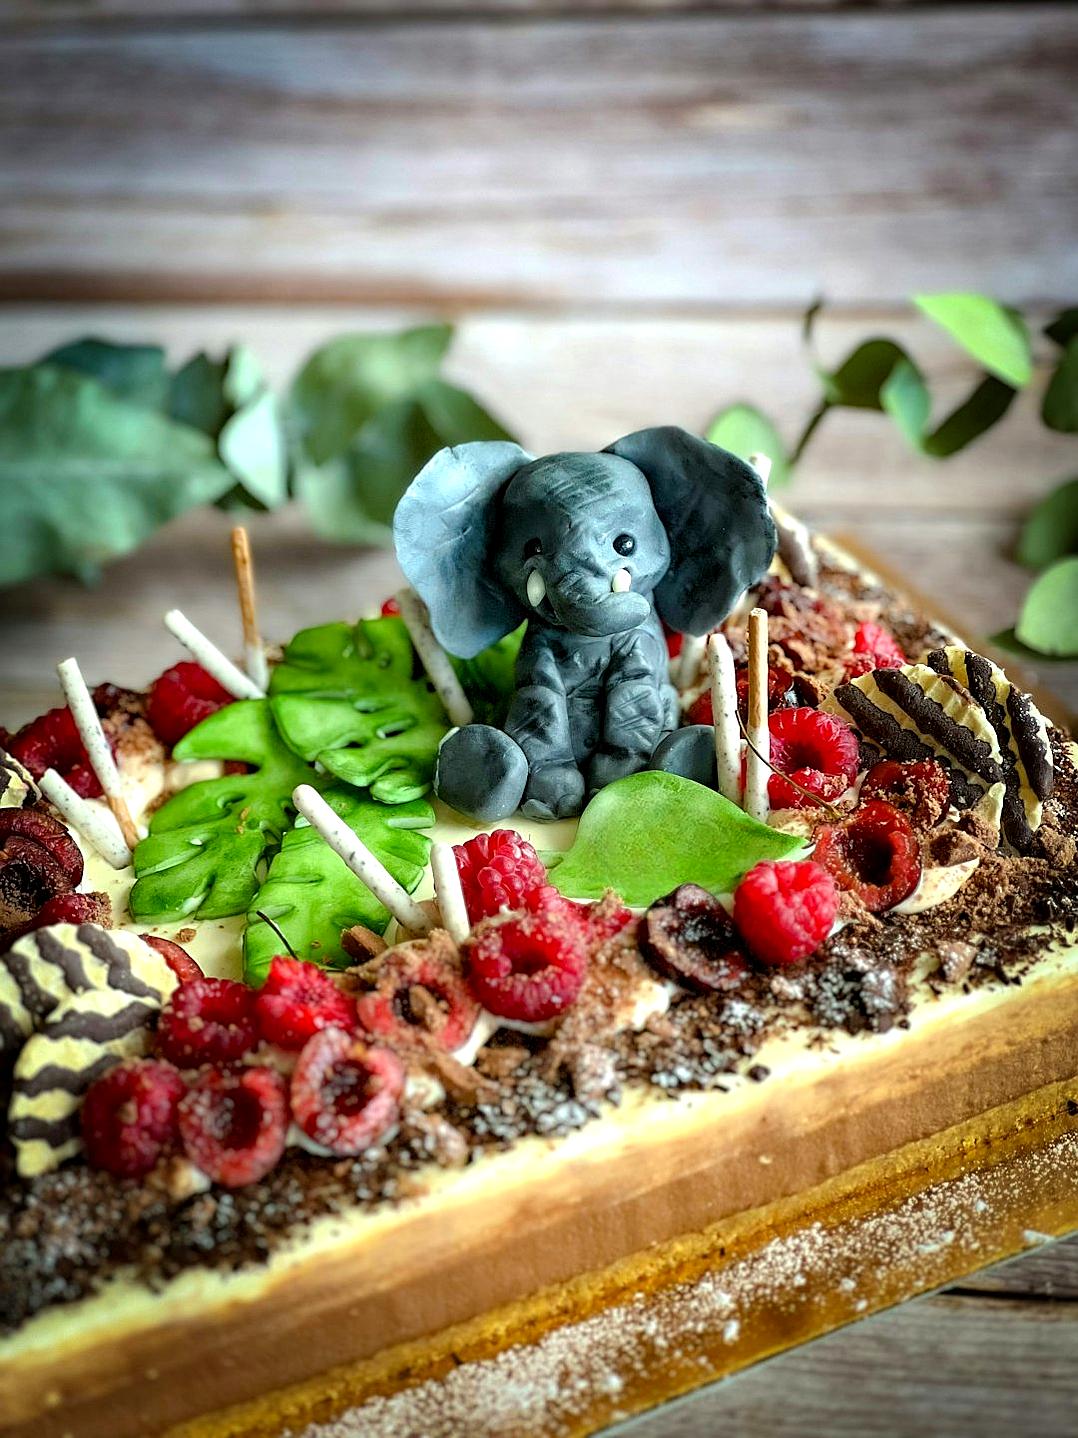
x=539, y=722
x=635, y=717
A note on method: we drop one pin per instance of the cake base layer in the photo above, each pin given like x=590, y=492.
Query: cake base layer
x=514, y=1225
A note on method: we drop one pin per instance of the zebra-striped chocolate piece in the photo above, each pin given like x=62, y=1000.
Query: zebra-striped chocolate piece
x=1022, y=732
x=916, y=713
x=80, y=1040
x=45, y=968
x=17, y=787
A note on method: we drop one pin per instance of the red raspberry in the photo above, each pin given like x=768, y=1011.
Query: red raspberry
x=921, y=790
x=43, y=830
x=497, y=871
x=529, y=968
x=785, y=911
x=390, y=607
x=130, y=1117
x=418, y=995
x=779, y=693
x=297, y=1000
x=233, y=1124
x=597, y=922
x=819, y=751
x=208, y=1021
x=674, y=640
x=873, y=648
x=345, y=1094
x=52, y=741
x=63, y=909
x=176, y=956
x=182, y=697
x=874, y=853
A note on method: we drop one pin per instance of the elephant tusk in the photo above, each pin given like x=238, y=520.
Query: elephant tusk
x=536, y=588
x=622, y=582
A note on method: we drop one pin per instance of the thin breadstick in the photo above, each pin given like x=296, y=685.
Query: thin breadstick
x=693, y=648
x=97, y=826
x=450, y=895
x=238, y=684
x=724, y=713
x=254, y=654
x=757, y=771
x=371, y=871
x=88, y=723
x=434, y=658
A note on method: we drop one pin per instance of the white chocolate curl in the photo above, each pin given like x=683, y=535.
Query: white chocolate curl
x=360, y=860
x=757, y=771
x=449, y=893
x=724, y=712
x=238, y=684
x=88, y=722
x=96, y=825
x=434, y=658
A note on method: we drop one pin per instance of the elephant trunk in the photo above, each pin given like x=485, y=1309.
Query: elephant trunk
x=584, y=602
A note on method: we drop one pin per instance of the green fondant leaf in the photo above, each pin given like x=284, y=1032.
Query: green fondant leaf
x=646, y=834
x=312, y=895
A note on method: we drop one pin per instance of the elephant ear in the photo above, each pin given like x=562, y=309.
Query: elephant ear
x=713, y=507
x=443, y=529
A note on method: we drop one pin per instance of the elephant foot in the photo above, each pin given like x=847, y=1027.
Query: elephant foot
x=607, y=769
x=481, y=773
x=689, y=752
x=555, y=791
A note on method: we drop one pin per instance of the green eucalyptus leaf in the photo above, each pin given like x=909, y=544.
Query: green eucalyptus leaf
x=859, y=380
x=252, y=445
x=86, y=475
x=646, y=834
x=1064, y=327
x=197, y=394
x=455, y=416
x=904, y=396
x=986, y=405
x=228, y=399
x=1060, y=408
x=207, y=844
x=995, y=335
x=1048, y=621
x=312, y=895
x=744, y=430
x=345, y=696
x=1051, y=531
x=136, y=373
x=345, y=383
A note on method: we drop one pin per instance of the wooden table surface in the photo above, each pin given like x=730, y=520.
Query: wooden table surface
x=624, y=206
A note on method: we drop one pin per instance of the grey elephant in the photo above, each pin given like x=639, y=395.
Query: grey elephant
x=593, y=550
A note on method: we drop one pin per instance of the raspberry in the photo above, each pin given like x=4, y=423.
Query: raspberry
x=497, y=871
x=390, y=607
x=687, y=935
x=874, y=853
x=674, y=640
x=297, y=1000
x=779, y=693
x=819, y=751
x=784, y=911
x=921, y=790
x=130, y=1117
x=43, y=830
x=178, y=959
x=52, y=741
x=529, y=968
x=64, y=909
x=418, y=994
x=208, y=1021
x=182, y=697
x=233, y=1124
x=873, y=648
x=345, y=1094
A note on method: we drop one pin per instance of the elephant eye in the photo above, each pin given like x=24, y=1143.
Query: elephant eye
x=532, y=548
x=625, y=544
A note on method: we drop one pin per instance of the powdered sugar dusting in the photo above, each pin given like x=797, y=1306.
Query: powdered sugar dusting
x=590, y=1367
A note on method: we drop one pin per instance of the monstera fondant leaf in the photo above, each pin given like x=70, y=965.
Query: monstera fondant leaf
x=311, y=895
x=206, y=843
x=646, y=834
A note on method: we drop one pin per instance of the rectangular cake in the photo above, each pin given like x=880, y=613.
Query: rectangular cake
x=690, y=1081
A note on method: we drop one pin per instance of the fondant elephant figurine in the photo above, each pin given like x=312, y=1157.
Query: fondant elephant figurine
x=593, y=550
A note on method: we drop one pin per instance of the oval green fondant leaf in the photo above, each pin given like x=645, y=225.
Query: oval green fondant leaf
x=993, y=334
x=312, y=895
x=646, y=834
x=1048, y=622
x=744, y=430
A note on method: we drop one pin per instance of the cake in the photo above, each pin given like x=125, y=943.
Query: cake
x=270, y=1149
